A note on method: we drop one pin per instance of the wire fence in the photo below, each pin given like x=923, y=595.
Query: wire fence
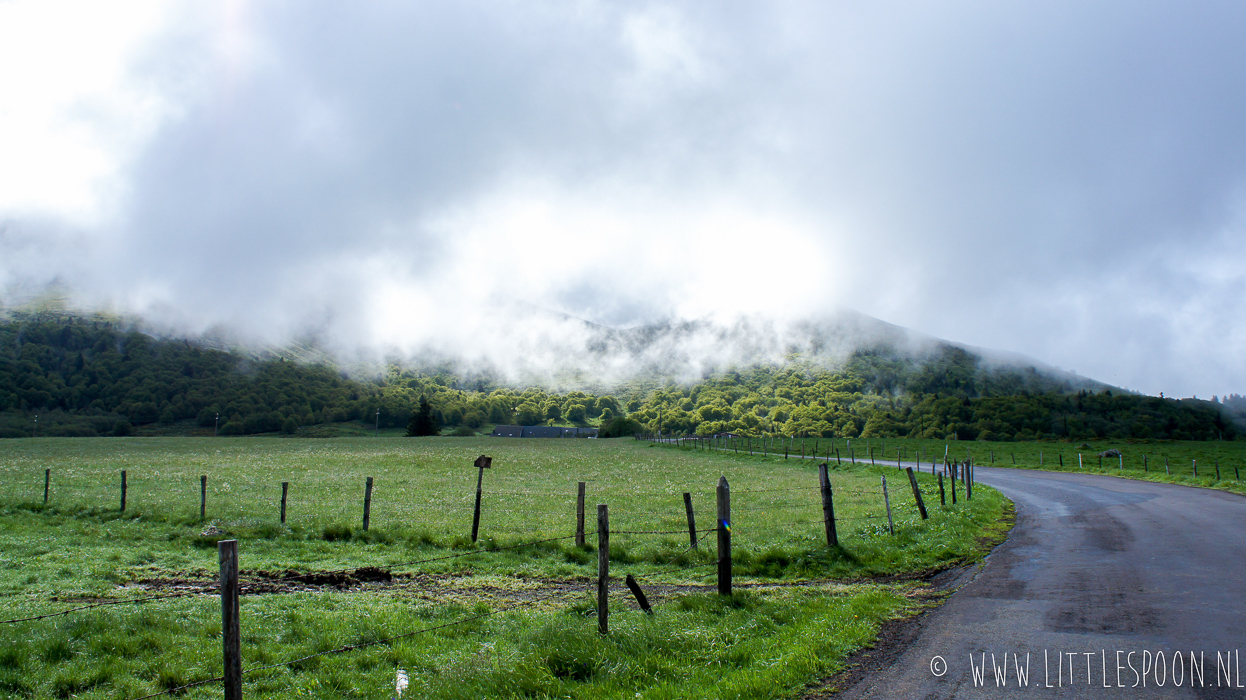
x=856, y=505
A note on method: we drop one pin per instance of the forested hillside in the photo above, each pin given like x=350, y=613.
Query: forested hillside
x=84, y=377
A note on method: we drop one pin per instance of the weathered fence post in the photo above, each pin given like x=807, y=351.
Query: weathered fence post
x=231, y=638
x=367, y=504
x=968, y=480
x=1217, y=470
x=203, y=496
x=1166, y=472
x=603, y=569
x=942, y=497
x=641, y=600
x=482, y=463
x=122, y=490
x=47, y=484
x=917, y=494
x=1144, y=464
x=692, y=522
x=579, y=514
x=897, y=460
x=724, y=536
x=887, y=501
x=828, y=505
x=1195, y=463
x=285, y=488
x=952, y=475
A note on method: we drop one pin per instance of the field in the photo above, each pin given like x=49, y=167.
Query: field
x=519, y=620
x=1168, y=461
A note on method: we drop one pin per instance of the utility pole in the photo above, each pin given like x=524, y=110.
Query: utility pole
x=377, y=430
x=216, y=425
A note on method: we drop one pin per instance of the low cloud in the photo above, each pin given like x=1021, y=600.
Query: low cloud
x=1066, y=180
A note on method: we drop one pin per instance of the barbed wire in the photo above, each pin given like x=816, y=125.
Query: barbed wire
x=649, y=532
x=362, y=645
x=424, y=630
x=180, y=688
x=797, y=488
x=403, y=565
x=128, y=601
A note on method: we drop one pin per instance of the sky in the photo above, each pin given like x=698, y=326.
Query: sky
x=1065, y=180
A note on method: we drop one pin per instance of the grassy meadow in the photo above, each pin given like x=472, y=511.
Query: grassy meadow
x=1171, y=461
x=521, y=619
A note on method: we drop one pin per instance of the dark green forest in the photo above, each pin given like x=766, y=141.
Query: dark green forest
x=72, y=376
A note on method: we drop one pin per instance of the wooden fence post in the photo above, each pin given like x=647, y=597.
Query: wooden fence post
x=952, y=475
x=917, y=494
x=942, y=496
x=603, y=569
x=968, y=480
x=1166, y=472
x=1195, y=463
x=47, y=484
x=897, y=460
x=367, y=503
x=122, y=490
x=1217, y=470
x=285, y=488
x=482, y=463
x=579, y=514
x=227, y=553
x=641, y=600
x=828, y=505
x=887, y=501
x=724, y=536
x=692, y=523
x=1144, y=464
x=203, y=496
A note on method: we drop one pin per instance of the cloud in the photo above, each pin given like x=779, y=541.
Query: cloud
x=1060, y=179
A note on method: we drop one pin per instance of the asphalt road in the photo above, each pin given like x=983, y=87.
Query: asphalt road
x=1098, y=572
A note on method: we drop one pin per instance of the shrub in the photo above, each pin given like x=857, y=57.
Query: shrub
x=620, y=427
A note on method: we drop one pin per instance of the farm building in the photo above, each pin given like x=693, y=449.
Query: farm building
x=542, y=431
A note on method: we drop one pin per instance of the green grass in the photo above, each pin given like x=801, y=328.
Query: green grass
x=1140, y=459
x=766, y=641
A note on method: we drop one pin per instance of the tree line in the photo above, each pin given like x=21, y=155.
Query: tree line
x=85, y=377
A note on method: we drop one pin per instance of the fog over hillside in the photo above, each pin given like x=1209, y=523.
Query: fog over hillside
x=1064, y=180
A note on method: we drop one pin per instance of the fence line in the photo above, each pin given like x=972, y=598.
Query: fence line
x=129, y=601
x=723, y=529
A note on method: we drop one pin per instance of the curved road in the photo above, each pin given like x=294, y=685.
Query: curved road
x=1097, y=570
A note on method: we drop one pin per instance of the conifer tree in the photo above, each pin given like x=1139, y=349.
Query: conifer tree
x=423, y=422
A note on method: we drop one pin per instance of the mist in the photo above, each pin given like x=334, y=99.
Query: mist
x=1062, y=180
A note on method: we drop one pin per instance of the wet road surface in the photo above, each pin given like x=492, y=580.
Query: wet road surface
x=1098, y=572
